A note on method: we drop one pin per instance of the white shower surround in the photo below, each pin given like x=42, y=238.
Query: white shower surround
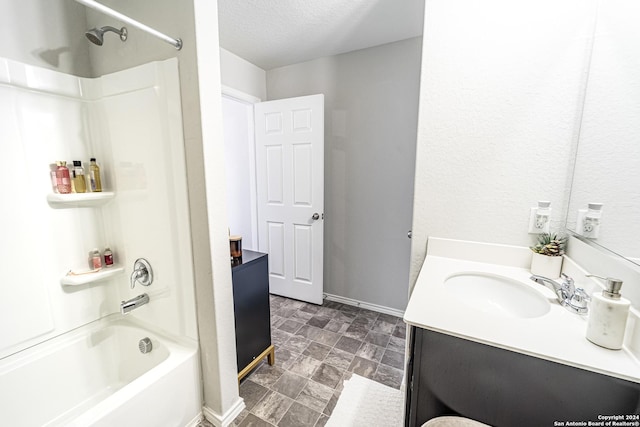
x=131, y=121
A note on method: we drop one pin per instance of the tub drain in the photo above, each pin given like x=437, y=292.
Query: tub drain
x=145, y=345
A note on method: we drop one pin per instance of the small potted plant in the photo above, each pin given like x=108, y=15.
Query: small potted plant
x=547, y=255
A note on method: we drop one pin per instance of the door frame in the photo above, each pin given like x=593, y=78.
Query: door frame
x=247, y=99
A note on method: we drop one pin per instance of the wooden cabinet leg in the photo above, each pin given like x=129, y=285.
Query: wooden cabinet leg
x=271, y=357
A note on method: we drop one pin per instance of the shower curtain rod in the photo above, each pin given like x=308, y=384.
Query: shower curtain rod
x=177, y=43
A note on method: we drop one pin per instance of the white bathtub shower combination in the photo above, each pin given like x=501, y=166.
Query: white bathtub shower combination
x=67, y=355
x=97, y=376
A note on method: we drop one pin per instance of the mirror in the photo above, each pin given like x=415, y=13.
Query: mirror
x=607, y=168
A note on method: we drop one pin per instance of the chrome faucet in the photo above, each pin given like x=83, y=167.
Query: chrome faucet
x=572, y=298
x=562, y=291
x=133, y=303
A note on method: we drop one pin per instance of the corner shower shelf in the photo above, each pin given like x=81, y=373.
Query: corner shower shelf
x=79, y=200
x=83, y=279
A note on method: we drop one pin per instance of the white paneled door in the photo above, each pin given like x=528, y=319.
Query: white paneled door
x=290, y=188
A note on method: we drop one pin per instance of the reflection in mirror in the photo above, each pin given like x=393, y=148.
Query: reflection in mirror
x=607, y=168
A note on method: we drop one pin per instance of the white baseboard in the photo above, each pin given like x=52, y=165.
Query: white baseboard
x=367, y=305
x=226, y=419
x=195, y=421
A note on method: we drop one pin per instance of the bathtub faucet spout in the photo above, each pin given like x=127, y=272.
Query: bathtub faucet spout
x=133, y=303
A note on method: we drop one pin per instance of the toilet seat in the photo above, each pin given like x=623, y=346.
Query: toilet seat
x=453, y=422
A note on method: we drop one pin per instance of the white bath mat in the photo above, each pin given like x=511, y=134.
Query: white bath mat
x=366, y=403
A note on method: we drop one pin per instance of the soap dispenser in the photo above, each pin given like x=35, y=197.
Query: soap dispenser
x=608, y=315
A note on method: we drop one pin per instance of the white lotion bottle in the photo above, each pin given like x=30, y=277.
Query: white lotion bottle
x=608, y=316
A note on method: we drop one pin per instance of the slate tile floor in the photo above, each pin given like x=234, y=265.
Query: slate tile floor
x=317, y=349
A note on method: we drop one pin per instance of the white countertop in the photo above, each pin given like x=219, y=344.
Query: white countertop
x=558, y=335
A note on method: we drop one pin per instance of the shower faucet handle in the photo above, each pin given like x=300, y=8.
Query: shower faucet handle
x=142, y=273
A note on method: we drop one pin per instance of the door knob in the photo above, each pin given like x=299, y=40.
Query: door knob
x=315, y=216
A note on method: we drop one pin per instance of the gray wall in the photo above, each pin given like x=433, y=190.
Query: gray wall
x=45, y=33
x=371, y=113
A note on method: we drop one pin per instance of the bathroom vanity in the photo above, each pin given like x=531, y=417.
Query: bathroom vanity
x=489, y=344
x=251, y=309
x=455, y=376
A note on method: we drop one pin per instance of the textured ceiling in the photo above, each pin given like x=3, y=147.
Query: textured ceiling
x=273, y=33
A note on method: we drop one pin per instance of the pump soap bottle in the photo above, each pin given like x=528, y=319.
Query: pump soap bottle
x=608, y=316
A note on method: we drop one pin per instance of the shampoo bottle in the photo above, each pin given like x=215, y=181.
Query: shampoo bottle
x=94, y=176
x=608, y=316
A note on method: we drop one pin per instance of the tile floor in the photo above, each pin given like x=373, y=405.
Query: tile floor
x=317, y=349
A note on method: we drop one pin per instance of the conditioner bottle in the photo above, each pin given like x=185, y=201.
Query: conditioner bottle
x=78, y=177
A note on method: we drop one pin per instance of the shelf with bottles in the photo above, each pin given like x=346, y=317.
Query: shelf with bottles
x=73, y=189
x=86, y=277
x=79, y=200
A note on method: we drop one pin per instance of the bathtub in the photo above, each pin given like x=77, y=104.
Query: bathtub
x=97, y=376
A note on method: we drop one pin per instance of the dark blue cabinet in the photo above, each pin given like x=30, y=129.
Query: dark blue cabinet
x=453, y=376
x=252, y=313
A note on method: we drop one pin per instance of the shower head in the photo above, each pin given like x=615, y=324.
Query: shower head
x=96, y=35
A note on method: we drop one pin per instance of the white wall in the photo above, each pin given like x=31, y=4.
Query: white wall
x=220, y=370
x=241, y=78
x=239, y=153
x=240, y=74
x=500, y=99
x=370, y=132
x=45, y=33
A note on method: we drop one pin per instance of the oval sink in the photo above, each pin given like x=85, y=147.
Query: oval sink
x=494, y=294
